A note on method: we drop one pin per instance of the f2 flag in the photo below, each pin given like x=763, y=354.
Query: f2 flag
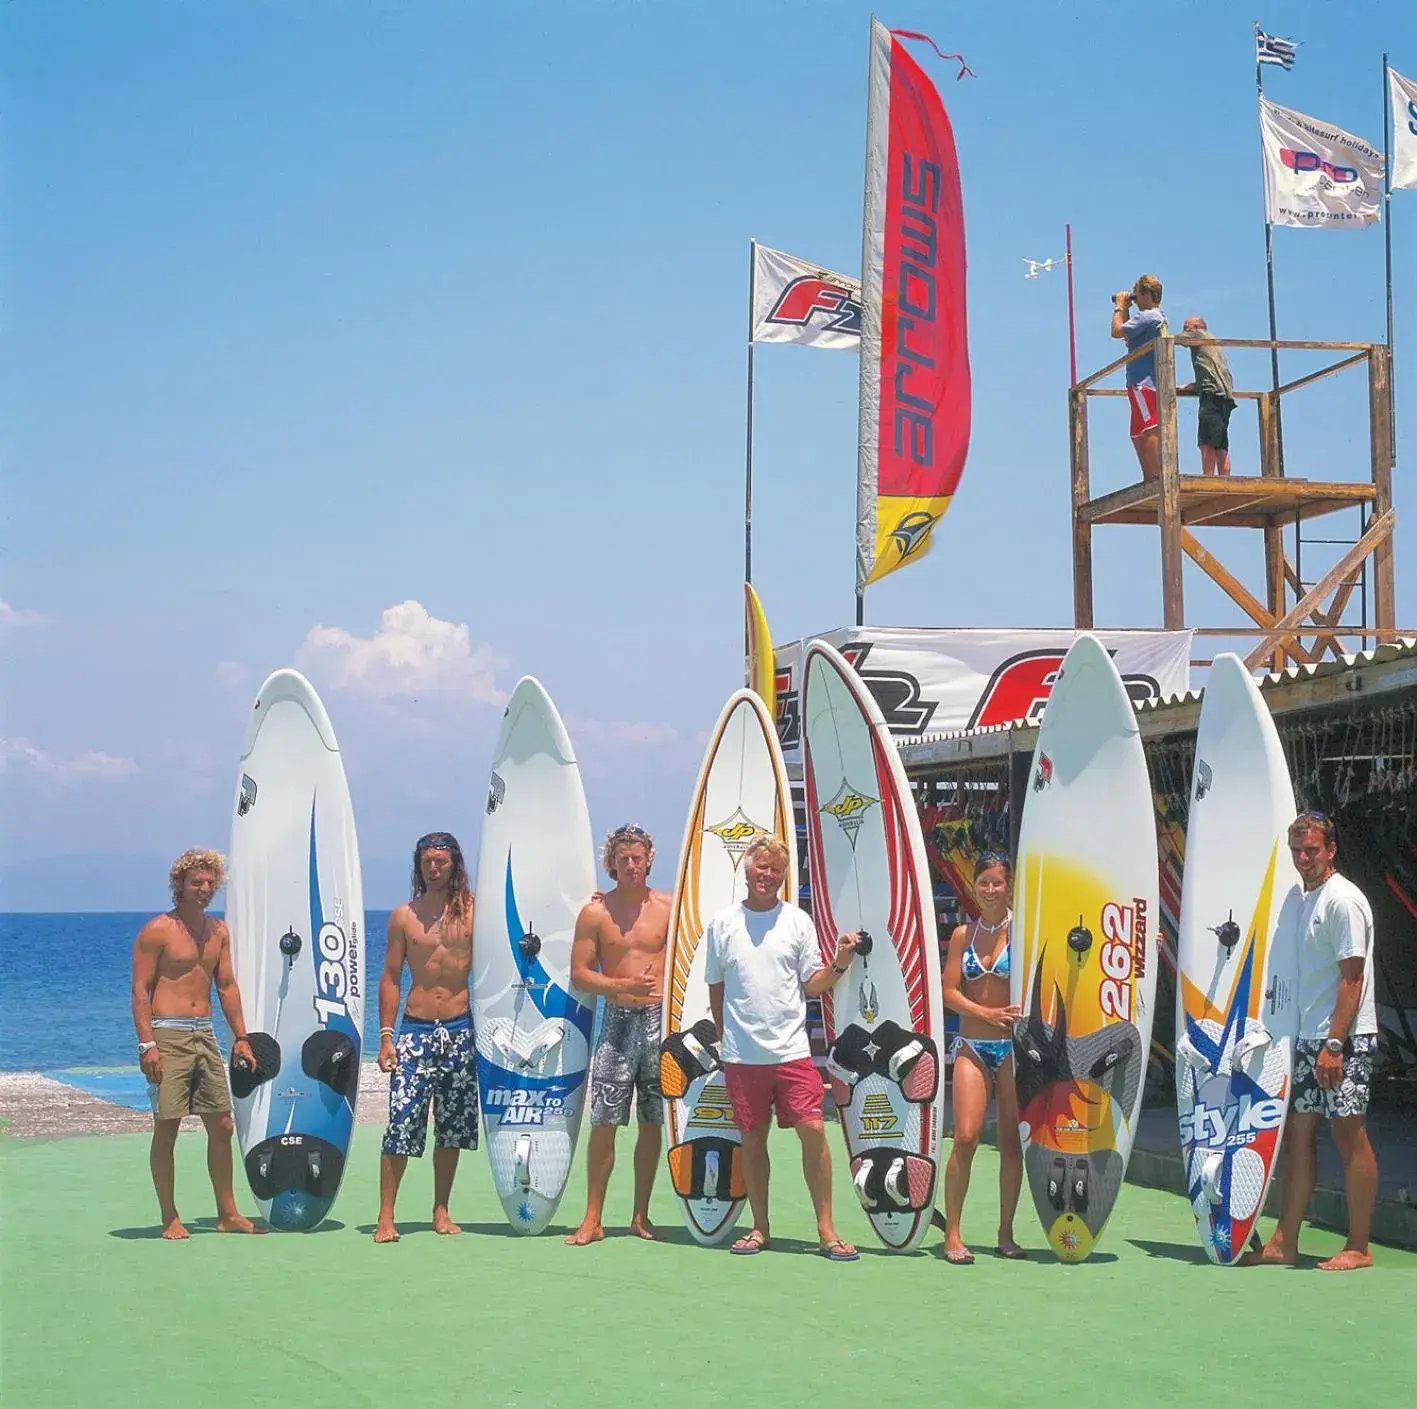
x=794, y=301
x=1404, y=131
x=915, y=389
x=1316, y=176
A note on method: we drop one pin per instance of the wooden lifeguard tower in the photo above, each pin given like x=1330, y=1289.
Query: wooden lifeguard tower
x=1301, y=627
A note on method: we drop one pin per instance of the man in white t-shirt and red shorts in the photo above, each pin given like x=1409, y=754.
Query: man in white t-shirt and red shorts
x=762, y=963
x=1330, y=921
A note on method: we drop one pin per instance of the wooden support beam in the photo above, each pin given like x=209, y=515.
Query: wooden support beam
x=1290, y=624
x=1173, y=610
x=1240, y=595
x=1082, y=526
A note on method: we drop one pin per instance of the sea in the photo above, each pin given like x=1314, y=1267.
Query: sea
x=65, y=983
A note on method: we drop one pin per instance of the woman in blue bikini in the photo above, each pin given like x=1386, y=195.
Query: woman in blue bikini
x=976, y=986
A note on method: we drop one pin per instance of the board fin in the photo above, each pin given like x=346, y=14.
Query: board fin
x=266, y=1050
x=332, y=1059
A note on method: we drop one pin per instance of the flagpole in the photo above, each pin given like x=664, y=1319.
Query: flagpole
x=748, y=456
x=1387, y=249
x=1269, y=268
x=1072, y=321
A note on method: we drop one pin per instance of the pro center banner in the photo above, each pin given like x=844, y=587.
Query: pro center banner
x=1317, y=176
x=915, y=385
x=937, y=681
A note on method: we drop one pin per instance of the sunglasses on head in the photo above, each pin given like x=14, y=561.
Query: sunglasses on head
x=438, y=841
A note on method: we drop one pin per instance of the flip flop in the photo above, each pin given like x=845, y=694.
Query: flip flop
x=960, y=1257
x=839, y=1251
x=1013, y=1253
x=749, y=1244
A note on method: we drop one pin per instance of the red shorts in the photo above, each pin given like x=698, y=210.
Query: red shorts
x=1142, y=398
x=795, y=1088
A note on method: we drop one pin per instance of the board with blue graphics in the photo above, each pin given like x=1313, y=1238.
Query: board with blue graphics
x=295, y=909
x=535, y=870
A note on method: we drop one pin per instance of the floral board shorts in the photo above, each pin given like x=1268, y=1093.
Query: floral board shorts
x=435, y=1067
x=1350, y=1096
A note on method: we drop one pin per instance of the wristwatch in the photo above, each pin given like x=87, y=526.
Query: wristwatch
x=144, y=1048
x=1334, y=1045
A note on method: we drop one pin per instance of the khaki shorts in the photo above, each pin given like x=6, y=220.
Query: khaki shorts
x=193, y=1075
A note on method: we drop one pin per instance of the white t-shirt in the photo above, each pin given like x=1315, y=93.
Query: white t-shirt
x=762, y=958
x=1331, y=922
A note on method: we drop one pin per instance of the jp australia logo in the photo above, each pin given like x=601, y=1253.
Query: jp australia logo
x=1043, y=773
x=912, y=532
x=1204, y=778
x=247, y=800
x=495, y=793
x=517, y=1106
x=849, y=807
x=735, y=833
x=869, y=1002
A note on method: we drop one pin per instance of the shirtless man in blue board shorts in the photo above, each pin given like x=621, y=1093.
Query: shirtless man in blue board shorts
x=176, y=959
x=433, y=1061
x=618, y=955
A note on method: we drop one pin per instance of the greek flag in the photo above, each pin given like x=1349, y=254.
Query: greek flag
x=1271, y=49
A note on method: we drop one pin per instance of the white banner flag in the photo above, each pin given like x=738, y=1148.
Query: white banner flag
x=1404, y=131
x=794, y=301
x=936, y=680
x=1316, y=176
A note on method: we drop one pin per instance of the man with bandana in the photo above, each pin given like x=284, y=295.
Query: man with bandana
x=432, y=1062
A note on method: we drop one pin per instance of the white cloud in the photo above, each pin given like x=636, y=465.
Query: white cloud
x=411, y=654
x=618, y=733
x=26, y=757
x=232, y=674
x=17, y=617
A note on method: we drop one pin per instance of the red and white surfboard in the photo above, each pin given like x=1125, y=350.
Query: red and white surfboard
x=884, y=1019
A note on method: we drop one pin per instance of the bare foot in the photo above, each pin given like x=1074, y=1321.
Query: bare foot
x=1011, y=1250
x=1349, y=1260
x=641, y=1227
x=442, y=1223
x=585, y=1234
x=1272, y=1254
x=957, y=1253
x=236, y=1223
x=386, y=1232
x=173, y=1230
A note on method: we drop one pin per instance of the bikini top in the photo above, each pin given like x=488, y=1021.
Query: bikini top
x=971, y=966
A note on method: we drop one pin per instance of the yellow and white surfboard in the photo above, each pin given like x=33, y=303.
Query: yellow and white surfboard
x=1084, y=949
x=742, y=791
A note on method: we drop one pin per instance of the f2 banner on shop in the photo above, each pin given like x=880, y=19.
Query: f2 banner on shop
x=937, y=681
x=915, y=388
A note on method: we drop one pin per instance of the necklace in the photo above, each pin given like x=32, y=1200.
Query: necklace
x=994, y=929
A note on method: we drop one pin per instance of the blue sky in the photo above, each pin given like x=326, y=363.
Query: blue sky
x=405, y=343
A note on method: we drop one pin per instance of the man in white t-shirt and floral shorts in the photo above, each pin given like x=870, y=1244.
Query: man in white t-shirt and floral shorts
x=1329, y=920
x=762, y=963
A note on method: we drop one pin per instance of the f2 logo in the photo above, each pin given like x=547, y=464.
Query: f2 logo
x=806, y=297
x=1019, y=688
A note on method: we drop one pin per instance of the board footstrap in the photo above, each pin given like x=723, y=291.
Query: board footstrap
x=244, y=1079
x=891, y=1181
x=708, y=1168
x=910, y=1059
x=331, y=1058
x=686, y=1056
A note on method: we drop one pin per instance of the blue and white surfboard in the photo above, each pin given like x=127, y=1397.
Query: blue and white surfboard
x=295, y=909
x=535, y=870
